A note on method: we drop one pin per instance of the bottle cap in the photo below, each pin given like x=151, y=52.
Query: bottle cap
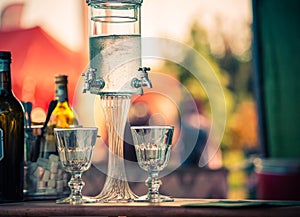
x=61, y=79
x=5, y=55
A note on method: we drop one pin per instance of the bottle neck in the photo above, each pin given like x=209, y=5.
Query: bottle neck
x=61, y=92
x=5, y=78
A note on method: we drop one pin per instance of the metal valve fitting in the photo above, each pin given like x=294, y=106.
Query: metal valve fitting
x=144, y=78
x=91, y=82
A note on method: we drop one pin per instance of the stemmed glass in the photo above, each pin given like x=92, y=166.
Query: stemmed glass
x=75, y=148
x=153, y=146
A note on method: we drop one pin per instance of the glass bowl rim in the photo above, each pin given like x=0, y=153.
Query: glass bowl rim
x=75, y=129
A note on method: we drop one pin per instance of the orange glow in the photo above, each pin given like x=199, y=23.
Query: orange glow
x=36, y=59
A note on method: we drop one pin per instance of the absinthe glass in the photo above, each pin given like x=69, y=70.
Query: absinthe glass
x=153, y=147
x=75, y=147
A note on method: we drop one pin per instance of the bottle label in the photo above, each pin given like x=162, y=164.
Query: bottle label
x=1, y=145
x=4, y=67
x=61, y=93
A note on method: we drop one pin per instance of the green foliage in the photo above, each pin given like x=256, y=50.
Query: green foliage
x=233, y=71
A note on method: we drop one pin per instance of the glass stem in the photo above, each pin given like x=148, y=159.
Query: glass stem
x=76, y=184
x=153, y=183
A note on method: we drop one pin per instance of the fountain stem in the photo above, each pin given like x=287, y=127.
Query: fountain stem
x=116, y=188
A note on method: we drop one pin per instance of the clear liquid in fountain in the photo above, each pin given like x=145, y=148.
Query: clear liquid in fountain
x=117, y=58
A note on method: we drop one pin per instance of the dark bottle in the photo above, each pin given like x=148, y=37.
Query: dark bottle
x=11, y=136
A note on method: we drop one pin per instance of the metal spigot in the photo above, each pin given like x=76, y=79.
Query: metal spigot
x=89, y=77
x=144, y=78
x=91, y=82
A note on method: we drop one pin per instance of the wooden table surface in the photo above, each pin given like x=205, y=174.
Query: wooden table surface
x=177, y=208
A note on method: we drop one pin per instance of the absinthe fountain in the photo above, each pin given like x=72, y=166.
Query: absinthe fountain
x=115, y=74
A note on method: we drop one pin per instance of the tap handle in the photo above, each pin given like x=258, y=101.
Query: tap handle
x=143, y=80
x=144, y=70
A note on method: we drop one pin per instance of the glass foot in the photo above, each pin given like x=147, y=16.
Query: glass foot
x=77, y=200
x=154, y=199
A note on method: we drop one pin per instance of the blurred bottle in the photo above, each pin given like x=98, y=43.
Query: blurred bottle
x=11, y=136
x=61, y=117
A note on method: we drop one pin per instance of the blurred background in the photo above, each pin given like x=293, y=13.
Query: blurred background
x=251, y=47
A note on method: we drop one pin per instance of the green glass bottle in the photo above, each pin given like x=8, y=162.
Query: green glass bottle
x=11, y=136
